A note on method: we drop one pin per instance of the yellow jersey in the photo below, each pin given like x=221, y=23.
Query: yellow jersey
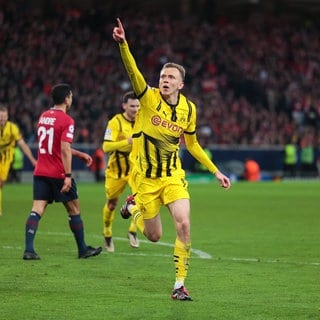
x=9, y=135
x=116, y=144
x=159, y=125
x=158, y=132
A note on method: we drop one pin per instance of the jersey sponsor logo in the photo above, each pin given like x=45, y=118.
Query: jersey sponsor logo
x=47, y=120
x=158, y=121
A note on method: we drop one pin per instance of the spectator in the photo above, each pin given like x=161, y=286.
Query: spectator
x=271, y=74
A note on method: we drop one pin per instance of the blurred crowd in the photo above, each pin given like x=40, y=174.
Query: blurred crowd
x=255, y=81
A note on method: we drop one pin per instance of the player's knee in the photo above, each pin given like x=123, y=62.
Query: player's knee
x=153, y=236
x=112, y=204
x=183, y=225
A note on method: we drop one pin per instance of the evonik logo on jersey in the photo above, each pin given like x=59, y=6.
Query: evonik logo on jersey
x=158, y=121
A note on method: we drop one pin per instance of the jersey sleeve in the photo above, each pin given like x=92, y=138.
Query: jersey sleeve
x=191, y=129
x=68, y=130
x=198, y=153
x=111, y=135
x=16, y=132
x=112, y=130
x=193, y=145
x=137, y=80
x=123, y=146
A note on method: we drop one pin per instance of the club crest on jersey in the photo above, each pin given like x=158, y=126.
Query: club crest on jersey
x=182, y=117
x=158, y=121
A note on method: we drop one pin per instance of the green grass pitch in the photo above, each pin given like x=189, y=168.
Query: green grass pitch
x=255, y=256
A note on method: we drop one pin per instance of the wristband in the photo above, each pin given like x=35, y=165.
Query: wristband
x=68, y=175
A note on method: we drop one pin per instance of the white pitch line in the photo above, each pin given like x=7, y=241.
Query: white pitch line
x=200, y=254
x=271, y=261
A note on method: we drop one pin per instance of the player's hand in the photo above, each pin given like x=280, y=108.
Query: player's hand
x=118, y=32
x=224, y=180
x=87, y=159
x=66, y=185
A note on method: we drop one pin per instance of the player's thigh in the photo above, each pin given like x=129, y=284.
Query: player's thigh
x=115, y=187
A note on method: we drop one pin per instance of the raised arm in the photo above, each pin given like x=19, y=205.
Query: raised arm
x=138, y=82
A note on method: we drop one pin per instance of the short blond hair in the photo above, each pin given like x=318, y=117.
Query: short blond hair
x=180, y=68
x=3, y=108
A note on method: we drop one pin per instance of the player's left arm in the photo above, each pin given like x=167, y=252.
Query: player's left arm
x=137, y=80
x=199, y=154
x=124, y=145
x=27, y=151
x=82, y=156
x=111, y=140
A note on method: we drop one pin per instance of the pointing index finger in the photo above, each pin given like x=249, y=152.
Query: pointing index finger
x=119, y=23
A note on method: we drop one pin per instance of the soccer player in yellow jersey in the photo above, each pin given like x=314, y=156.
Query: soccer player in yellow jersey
x=9, y=136
x=118, y=143
x=165, y=115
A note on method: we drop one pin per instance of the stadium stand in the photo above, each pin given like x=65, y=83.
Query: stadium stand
x=255, y=79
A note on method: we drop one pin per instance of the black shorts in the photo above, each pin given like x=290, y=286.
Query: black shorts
x=45, y=188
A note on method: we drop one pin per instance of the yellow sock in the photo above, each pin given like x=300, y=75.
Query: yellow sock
x=137, y=218
x=132, y=227
x=181, y=256
x=108, y=217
